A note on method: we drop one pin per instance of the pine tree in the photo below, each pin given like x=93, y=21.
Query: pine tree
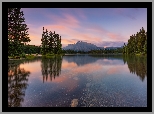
x=145, y=45
x=44, y=42
x=17, y=32
x=51, y=43
x=137, y=43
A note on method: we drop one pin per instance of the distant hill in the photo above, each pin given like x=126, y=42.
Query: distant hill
x=81, y=46
x=84, y=46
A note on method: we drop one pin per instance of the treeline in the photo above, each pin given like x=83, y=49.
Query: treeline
x=32, y=49
x=101, y=51
x=137, y=44
x=18, y=37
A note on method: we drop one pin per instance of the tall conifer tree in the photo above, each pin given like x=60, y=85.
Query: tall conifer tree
x=17, y=31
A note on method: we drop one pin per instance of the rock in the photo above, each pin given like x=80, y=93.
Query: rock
x=17, y=57
x=74, y=103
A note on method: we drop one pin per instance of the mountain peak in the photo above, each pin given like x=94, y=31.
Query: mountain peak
x=81, y=46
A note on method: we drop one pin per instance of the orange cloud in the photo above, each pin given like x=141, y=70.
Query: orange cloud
x=113, y=36
x=67, y=27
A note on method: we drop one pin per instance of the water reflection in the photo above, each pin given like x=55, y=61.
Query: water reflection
x=82, y=60
x=137, y=65
x=51, y=67
x=77, y=81
x=17, y=84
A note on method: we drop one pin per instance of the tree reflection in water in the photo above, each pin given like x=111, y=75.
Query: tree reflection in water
x=51, y=67
x=136, y=65
x=17, y=84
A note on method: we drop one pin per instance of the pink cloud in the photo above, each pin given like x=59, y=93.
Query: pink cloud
x=113, y=36
x=66, y=19
x=78, y=11
x=123, y=12
x=67, y=27
x=92, y=35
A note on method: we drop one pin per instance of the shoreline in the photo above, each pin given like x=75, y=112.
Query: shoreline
x=35, y=56
x=95, y=54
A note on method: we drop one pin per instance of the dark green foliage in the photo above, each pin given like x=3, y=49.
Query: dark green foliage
x=32, y=49
x=51, y=43
x=17, y=32
x=137, y=44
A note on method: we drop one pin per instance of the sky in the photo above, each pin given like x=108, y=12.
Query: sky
x=104, y=27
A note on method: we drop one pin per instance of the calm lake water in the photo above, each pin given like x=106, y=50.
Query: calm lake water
x=79, y=81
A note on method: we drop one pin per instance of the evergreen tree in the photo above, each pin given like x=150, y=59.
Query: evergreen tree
x=17, y=32
x=44, y=42
x=137, y=43
x=145, y=45
x=51, y=43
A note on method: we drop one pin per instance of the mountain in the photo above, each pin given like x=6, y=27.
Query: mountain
x=81, y=46
x=84, y=46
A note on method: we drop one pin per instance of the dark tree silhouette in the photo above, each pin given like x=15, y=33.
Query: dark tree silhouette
x=51, y=43
x=17, y=32
x=137, y=43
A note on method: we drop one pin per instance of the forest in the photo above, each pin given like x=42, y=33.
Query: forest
x=137, y=44
x=18, y=38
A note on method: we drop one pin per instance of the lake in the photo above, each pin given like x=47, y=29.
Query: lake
x=78, y=81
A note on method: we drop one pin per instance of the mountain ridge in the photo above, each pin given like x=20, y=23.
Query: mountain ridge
x=84, y=46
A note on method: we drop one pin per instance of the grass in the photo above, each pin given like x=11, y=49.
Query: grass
x=140, y=54
x=30, y=56
x=48, y=56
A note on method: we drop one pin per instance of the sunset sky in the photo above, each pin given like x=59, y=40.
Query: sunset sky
x=103, y=27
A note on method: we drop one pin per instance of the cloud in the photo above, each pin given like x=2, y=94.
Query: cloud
x=126, y=12
x=72, y=29
x=65, y=20
x=110, y=43
x=79, y=12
